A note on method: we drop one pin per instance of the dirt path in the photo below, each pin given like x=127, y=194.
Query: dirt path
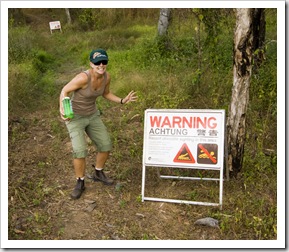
x=41, y=178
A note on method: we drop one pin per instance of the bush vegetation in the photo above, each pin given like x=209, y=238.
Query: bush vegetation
x=176, y=76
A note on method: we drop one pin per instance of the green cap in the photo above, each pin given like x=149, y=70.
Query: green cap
x=98, y=55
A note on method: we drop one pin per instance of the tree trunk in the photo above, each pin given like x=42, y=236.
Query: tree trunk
x=199, y=18
x=163, y=21
x=68, y=16
x=236, y=124
x=259, y=31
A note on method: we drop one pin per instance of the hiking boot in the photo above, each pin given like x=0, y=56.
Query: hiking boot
x=100, y=176
x=79, y=188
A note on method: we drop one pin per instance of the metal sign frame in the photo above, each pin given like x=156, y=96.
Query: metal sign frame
x=184, y=138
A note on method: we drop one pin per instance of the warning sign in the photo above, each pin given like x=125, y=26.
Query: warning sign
x=207, y=154
x=184, y=155
x=55, y=25
x=184, y=138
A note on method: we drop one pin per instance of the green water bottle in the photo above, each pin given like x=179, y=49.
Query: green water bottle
x=67, y=106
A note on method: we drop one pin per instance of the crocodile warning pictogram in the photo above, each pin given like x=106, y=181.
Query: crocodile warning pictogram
x=207, y=153
x=184, y=155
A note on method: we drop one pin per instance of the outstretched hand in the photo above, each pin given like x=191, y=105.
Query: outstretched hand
x=130, y=97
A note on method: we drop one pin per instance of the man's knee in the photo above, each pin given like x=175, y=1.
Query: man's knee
x=80, y=154
x=104, y=148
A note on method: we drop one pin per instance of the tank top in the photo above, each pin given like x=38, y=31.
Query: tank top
x=83, y=100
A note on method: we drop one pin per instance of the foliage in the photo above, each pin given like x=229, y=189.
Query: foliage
x=42, y=61
x=87, y=20
x=22, y=43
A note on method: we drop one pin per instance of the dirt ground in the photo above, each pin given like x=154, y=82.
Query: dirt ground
x=41, y=178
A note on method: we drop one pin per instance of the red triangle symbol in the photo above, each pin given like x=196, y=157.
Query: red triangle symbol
x=184, y=155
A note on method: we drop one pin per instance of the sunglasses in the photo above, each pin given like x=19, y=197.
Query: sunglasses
x=103, y=62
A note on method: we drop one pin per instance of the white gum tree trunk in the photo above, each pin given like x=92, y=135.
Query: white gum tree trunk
x=163, y=23
x=236, y=123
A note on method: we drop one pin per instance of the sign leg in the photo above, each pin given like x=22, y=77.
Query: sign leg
x=143, y=182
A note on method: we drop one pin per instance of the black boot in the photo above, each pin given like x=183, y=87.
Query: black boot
x=79, y=188
x=100, y=176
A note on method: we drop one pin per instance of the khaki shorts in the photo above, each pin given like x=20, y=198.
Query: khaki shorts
x=91, y=125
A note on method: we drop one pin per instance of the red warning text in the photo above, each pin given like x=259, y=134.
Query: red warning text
x=192, y=122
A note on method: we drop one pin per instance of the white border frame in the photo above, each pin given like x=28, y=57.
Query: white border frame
x=281, y=118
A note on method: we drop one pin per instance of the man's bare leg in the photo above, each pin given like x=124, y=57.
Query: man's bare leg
x=101, y=158
x=79, y=167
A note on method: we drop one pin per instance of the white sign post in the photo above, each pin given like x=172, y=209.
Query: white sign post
x=184, y=138
x=55, y=25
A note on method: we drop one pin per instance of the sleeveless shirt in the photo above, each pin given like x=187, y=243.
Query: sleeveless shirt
x=83, y=100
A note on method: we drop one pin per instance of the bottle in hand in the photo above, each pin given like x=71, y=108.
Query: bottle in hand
x=67, y=106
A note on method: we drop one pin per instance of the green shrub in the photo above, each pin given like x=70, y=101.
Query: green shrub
x=22, y=42
x=28, y=87
x=23, y=90
x=42, y=61
x=87, y=20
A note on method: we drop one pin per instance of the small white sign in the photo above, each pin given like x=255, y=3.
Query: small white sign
x=55, y=25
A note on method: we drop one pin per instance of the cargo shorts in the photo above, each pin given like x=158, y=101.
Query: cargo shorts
x=95, y=129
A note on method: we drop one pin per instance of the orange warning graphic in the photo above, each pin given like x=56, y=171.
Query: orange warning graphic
x=207, y=153
x=184, y=155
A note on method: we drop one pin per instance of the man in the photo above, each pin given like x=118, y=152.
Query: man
x=86, y=88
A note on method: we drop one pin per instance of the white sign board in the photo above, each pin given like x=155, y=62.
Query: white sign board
x=55, y=25
x=184, y=138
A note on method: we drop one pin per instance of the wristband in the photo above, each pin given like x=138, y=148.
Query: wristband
x=121, y=101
